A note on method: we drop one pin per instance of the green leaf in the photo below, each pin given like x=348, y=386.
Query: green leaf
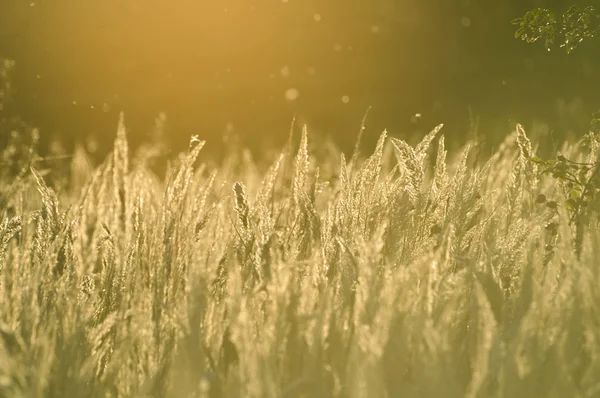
x=571, y=204
x=538, y=160
x=560, y=174
x=541, y=198
x=575, y=195
x=435, y=229
x=552, y=227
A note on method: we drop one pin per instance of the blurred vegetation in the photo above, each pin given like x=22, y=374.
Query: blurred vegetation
x=577, y=181
x=15, y=144
x=567, y=30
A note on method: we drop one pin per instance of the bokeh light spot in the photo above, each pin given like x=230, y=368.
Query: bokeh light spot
x=292, y=94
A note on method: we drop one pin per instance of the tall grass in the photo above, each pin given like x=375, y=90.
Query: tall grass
x=409, y=272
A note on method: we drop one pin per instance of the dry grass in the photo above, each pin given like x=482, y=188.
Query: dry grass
x=384, y=276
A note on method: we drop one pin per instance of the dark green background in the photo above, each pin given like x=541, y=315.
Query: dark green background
x=208, y=68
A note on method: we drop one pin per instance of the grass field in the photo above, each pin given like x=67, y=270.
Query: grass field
x=408, y=272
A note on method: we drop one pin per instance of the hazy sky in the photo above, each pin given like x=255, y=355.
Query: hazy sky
x=254, y=64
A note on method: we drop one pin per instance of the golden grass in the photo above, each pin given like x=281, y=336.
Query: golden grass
x=393, y=275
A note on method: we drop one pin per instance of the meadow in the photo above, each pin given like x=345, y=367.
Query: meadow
x=407, y=271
